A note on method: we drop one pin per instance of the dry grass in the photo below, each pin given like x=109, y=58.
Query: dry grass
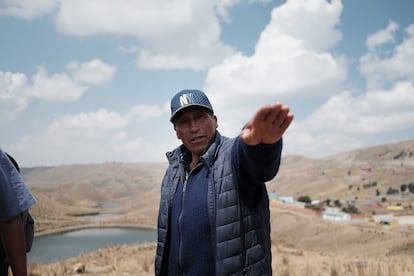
x=132, y=259
x=137, y=259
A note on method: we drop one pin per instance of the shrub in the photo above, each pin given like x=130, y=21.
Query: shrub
x=350, y=209
x=392, y=191
x=411, y=187
x=337, y=203
x=304, y=199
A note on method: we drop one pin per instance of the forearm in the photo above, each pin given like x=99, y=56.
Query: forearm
x=12, y=237
x=260, y=162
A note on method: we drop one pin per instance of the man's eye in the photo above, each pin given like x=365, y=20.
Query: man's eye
x=183, y=122
x=202, y=116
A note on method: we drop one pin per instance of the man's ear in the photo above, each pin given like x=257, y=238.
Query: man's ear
x=176, y=133
x=216, y=120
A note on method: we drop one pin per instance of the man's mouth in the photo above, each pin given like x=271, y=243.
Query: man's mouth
x=197, y=139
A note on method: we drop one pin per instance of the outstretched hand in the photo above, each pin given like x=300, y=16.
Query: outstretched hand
x=268, y=125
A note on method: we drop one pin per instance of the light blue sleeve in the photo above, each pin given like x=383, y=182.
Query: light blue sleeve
x=15, y=196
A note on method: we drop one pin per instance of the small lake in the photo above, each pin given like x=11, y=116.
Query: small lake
x=98, y=216
x=52, y=248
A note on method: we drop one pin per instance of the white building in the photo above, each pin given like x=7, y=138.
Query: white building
x=286, y=199
x=336, y=215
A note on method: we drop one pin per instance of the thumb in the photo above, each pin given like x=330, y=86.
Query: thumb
x=247, y=136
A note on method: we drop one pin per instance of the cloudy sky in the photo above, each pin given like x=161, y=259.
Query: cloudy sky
x=90, y=81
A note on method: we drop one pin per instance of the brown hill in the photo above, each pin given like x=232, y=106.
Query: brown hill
x=363, y=176
x=65, y=193
x=352, y=175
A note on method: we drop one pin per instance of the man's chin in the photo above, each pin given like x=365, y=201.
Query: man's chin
x=199, y=151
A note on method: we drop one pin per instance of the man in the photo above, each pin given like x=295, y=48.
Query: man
x=211, y=183
x=15, y=199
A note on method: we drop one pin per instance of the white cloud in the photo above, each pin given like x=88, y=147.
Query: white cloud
x=81, y=138
x=372, y=112
x=102, y=119
x=382, y=66
x=195, y=58
x=317, y=145
x=222, y=7
x=92, y=72
x=57, y=87
x=11, y=84
x=145, y=112
x=12, y=98
x=382, y=36
x=16, y=90
x=171, y=34
x=300, y=21
x=27, y=9
x=347, y=121
x=291, y=59
x=87, y=137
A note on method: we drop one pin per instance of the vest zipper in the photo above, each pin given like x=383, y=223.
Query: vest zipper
x=184, y=181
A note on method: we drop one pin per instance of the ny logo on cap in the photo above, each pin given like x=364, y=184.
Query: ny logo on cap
x=184, y=100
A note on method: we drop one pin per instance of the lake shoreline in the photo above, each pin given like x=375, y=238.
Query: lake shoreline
x=100, y=224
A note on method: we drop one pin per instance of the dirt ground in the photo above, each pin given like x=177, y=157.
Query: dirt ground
x=302, y=244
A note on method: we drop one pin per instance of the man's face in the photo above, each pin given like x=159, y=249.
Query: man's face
x=196, y=128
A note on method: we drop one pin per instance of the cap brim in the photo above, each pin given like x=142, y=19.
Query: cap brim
x=186, y=107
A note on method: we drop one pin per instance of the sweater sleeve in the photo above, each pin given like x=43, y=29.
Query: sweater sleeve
x=254, y=165
x=260, y=163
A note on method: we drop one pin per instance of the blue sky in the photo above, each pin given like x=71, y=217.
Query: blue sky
x=90, y=81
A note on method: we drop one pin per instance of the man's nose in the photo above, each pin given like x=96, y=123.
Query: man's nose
x=194, y=124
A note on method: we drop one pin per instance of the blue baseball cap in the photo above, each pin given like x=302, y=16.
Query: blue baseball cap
x=188, y=98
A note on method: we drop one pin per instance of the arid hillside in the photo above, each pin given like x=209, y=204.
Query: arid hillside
x=355, y=175
x=303, y=242
x=65, y=193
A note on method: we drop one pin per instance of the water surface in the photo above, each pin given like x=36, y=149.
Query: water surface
x=51, y=248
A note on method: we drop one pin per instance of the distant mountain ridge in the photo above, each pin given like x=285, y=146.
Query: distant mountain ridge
x=390, y=165
x=344, y=175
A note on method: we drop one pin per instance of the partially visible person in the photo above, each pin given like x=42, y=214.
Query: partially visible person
x=15, y=200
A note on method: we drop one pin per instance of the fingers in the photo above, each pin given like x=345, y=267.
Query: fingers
x=268, y=112
x=286, y=122
x=275, y=114
x=263, y=113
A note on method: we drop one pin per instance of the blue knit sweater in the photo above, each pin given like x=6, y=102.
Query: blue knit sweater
x=190, y=244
